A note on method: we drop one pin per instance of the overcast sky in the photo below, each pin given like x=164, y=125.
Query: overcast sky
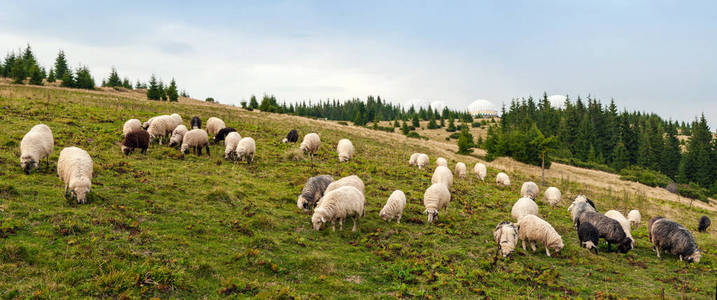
x=656, y=56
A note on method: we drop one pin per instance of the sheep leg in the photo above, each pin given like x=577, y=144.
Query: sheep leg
x=608, y=247
x=208, y=152
x=355, y=225
x=532, y=246
x=399, y=219
x=657, y=250
x=199, y=150
x=547, y=251
x=524, y=245
x=341, y=224
x=333, y=226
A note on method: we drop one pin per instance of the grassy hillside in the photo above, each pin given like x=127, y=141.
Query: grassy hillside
x=165, y=225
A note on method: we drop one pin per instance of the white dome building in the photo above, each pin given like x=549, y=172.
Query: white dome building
x=482, y=108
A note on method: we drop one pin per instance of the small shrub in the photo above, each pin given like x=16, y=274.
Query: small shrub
x=694, y=191
x=644, y=176
x=294, y=155
x=475, y=125
x=343, y=123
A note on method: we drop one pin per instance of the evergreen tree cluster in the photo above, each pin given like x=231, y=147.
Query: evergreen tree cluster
x=23, y=67
x=114, y=80
x=158, y=91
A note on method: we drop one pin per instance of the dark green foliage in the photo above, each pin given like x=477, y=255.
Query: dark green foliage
x=465, y=142
x=210, y=99
x=51, y=76
x=698, y=163
x=404, y=128
x=694, y=191
x=253, y=104
x=415, y=122
x=35, y=76
x=243, y=104
x=84, y=79
x=18, y=72
x=396, y=124
x=127, y=84
x=113, y=80
x=68, y=80
x=162, y=91
x=153, y=90
x=645, y=176
x=451, y=125
x=522, y=146
x=432, y=123
x=172, y=91
x=269, y=104
x=61, y=66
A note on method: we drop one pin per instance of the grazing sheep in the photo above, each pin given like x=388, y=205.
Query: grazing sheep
x=36, y=145
x=222, y=133
x=530, y=190
x=310, y=143
x=131, y=125
x=436, y=197
x=214, y=124
x=230, y=145
x=588, y=236
x=624, y=223
x=412, y=160
x=422, y=161
x=135, y=139
x=160, y=127
x=74, y=166
x=352, y=180
x=196, y=123
x=523, y=207
x=580, y=205
x=345, y=149
x=608, y=229
x=177, y=135
x=338, y=205
x=394, y=206
x=460, y=170
x=146, y=124
x=442, y=175
x=502, y=180
x=674, y=238
x=704, y=224
x=177, y=121
x=246, y=149
x=481, y=170
x=634, y=217
x=196, y=139
x=313, y=191
x=441, y=162
x=291, y=137
x=552, y=196
x=506, y=235
x=534, y=229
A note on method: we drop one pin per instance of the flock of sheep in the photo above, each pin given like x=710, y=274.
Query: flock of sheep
x=336, y=200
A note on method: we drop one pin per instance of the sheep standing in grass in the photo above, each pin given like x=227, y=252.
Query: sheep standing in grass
x=588, y=236
x=310, y=143
x=422, y=161
x=338, y=205
x=506, y=235
x=214, y=124
x=442, y=175
x=195, y=139
x=246, y=149
x=580, y=205
x=230, y=145
x=481, y=171
x=313, y=191
x=634, y=217
x=135, y=139
x=435, y=198
x=441, y=162
x=74, y=167
x=160, y=127
x=674, y=238
x=534, y=229
x=703, y=224
x=291, y=137
x=608, y=229
x=502, y=180
x=222, y=133
x=530, y=190
x=412, y=160
x=36, y=144
x=394, y=206
x=196, y=123
x=552, y=196
x=131, y=125
x=624, y=223
x=177, y=135
x=146, y=124
x=177, y=120
x=352, y=180
x=460, y=170
x=523, y=207
x=345, y=149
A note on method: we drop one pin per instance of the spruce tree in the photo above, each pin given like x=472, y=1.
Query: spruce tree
x=51, y=76
x=61, y=65
x=153, y=89
x=404, y=128
x=620, y=157
x=68, y=80
x=84, y=79
x=253, y=104
x=172, y=91
x=465, y=141
x=697, y=161
x=395, y=124
x=35, y=76
x=451, y=125
x=432, y=123
x=671, y=153
x=127, y=84
x=18, y=73
x=114, y=80
x=414, y=122
x=162, y=91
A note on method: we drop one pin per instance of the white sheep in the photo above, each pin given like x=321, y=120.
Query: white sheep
x=246, y=149
x=412, y=160
x=214, y=124
x=394, y=206
x=502, y=179
x=436, y=197
x=460, y=170
x=310, y=143
x=74, y=166
x=146, y=124
x=534, y=229
x=352, y=180
x=422, y=161
x=624, y=223
x=506, y=236
x=345, y=149
x=338, y=205
x=177, y=135
x=442, y=175
x=441, y=162
x=160, y=127
x=230, y=143
x=177, y=120
x=36, y=145
x=195, y=139
x=523, y=207
x=634, y=217
x=481, y=170
x=530, y=190
x=131, y=125
x=552, y=195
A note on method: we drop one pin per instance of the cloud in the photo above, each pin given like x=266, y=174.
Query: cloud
x=481, y=104
x=557, y=101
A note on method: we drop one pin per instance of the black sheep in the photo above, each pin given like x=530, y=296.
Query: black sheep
x=292, y=136
x=588, y=236
x=313, y=191
x=135, y=139
x=196, y=123
x=608, y=229
x=674, y=238
x=223, y=133
x=704, y=223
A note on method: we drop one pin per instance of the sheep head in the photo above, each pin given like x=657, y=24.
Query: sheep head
x=27, y=164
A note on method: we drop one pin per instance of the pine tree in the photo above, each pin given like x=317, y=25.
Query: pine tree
x=253, y=104
x=395, y=124
x=127, y=84
x=671, y=153
x=51, y=76
x=61, y=65
x=451, y=125
x=84, y=79
x=697, y=161
x=404, y=128
x=162, y=91
x=414, y=122
x=172, y=91
x=29, y=61
x=18, y=73
x=68, y=80
x=432, y=123
x=35, y=76
x=153, y=90
x=620, y=157
x=465, y=141
x=113, y=80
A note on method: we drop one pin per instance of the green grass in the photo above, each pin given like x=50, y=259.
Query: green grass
x=163, y=225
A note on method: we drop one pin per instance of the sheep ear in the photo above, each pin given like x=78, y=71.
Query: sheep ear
x=323, y=220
